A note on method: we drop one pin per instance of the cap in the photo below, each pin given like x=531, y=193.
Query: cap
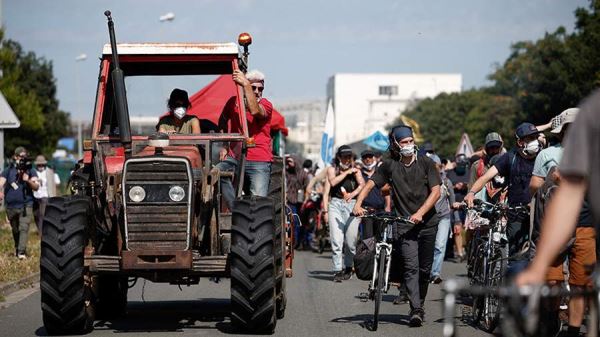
x=493, y=139
x=526, y=129
x=40, y=160
x=19, y=149
x=565, y=117
x=344, y=150
x=367, y=153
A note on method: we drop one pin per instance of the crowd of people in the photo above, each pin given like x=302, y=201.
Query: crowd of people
x=435, y=194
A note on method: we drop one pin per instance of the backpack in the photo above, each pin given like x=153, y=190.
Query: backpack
x=364, y=259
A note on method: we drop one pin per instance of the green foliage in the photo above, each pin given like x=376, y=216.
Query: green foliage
x=29, y=87
x=537, y=81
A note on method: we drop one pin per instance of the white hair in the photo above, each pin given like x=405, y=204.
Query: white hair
x=255, y=76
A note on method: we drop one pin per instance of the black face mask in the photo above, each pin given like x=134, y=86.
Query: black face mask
x=460, y=169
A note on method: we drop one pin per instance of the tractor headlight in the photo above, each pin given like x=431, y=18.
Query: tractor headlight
x=137, y=194
x=176, y=193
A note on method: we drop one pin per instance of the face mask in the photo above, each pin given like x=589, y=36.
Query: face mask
x=369, y=167
x=407, y=150
x=179, y=112
x=533, y=147
x=498, y=180
x=345, y=166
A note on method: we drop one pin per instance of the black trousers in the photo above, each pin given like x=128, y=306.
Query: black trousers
x=517, y=232
x=416, y=248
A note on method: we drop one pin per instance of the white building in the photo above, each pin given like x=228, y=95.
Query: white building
x=365, y=103
x=305, y=121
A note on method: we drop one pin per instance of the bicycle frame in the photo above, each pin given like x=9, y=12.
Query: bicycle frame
x=383, y=244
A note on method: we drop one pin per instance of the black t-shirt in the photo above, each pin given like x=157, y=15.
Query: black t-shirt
x=410, y=185
x=374, y=199
x=518, y=171
x=349, y=184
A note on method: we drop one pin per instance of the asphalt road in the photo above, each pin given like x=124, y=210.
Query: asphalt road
x=316, y=307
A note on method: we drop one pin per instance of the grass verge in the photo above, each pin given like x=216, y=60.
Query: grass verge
x=11, y=268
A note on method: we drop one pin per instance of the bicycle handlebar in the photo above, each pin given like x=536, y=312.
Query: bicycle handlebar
x=383, y=216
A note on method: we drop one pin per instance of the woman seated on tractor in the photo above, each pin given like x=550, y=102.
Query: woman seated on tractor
x=178, y=121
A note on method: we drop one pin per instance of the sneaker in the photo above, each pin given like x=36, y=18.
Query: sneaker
x=347, y=273
x=338, y=277
x=22, y=256
x=436, y=280
x=416, y=317
x=401, y=298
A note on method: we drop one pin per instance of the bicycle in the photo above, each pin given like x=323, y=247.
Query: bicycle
x=489, y=261
x=387, y=232
x=522, y=306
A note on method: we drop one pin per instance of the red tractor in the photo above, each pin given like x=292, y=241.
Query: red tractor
x=150, y=206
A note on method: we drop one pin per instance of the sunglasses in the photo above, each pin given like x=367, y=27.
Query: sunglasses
x=255, y=87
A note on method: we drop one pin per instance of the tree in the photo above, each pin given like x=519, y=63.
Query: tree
x=29, y=86
x=445, y=118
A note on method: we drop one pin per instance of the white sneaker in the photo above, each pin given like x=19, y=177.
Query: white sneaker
x=21, y=256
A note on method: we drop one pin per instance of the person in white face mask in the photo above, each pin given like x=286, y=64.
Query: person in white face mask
x=375, y=200
x=178, y=120
x=517, y=167
x=344, y=183
x=415, y=188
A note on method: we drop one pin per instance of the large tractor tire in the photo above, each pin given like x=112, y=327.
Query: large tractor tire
x=111, y=299
x=67, y=306
x=276, y=191
x=253, y=265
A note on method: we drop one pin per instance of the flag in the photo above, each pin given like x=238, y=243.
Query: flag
x=378, y=141
x=414, y=126
x=328, y=137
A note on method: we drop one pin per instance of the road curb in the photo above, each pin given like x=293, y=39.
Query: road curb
x=10, y=287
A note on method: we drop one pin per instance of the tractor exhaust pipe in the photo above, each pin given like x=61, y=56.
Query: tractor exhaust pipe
x=118, y=82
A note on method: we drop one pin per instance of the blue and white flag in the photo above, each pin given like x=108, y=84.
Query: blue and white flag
x=328, y=138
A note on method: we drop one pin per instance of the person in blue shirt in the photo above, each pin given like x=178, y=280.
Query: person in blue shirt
x=17, y=184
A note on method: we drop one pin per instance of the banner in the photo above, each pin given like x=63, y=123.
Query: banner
x=328, y=138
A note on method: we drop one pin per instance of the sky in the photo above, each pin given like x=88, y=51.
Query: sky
x=297, y=44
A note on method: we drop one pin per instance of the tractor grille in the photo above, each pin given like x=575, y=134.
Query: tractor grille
x=157, y=222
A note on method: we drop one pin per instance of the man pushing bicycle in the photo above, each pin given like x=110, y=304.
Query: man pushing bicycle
x=415, y=184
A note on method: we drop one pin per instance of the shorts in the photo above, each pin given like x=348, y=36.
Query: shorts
x=582, y=256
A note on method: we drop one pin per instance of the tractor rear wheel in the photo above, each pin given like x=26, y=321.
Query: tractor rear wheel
x=67, y=307
x=253, y=276
x=276, y=192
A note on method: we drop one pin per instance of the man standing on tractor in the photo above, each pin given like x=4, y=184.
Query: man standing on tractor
x=259, y=157
x=415, y=185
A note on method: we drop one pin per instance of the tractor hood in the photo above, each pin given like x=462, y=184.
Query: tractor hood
x=190, y=152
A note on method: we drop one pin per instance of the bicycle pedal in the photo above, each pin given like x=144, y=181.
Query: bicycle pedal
x=364, y=297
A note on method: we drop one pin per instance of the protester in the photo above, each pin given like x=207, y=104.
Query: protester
x=459, y=175
x=516, y=166
x=415, y=185
x=583, y=250
x=48, y=182
x=259, y=157
x=375, y=199
x=345, y=183
x=178, y=121
x=17, y=184
x=296, y=181
x=444, y=209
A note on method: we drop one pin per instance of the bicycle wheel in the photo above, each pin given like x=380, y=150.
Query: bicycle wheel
x=379, y=283
x=479, y=265
x=491, y=303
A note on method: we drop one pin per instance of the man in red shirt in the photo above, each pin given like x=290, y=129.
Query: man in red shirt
x=258, y=115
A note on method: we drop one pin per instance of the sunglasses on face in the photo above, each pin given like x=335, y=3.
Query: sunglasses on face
x=255, y=87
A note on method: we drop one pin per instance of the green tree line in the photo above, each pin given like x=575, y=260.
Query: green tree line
x=538, y=80
x=28, y=84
